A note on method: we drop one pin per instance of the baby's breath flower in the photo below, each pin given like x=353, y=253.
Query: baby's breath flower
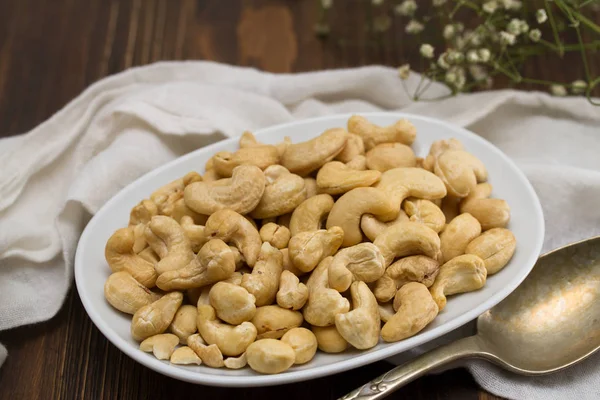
x=326, y=4
x=490, y=6
x=455, y=57
x=450, y=77
x=414, y=27
x=449, y=31
x=541, y=16
x=404, y=71
x=512, y=4
x=507, y=38
x=478, y=72
x=406, y=8
x=514, y=27
x=460, y=27
x=438, y=3
x=535, y=35
x=558, y=90
x=442, y=61
x=484, y=55
x=476, y=39
x=460, y=81
x=377, y=2
x=578, y=86
x=524, y=27
x=426, y=50
x=472, y=56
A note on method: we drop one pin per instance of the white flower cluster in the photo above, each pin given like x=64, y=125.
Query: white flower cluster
x=426, y=50
x=407, y=8
x=413, y=27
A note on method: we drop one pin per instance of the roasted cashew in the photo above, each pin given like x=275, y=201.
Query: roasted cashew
x=270, y=356
x=354, y=147
x=120, y=256
x=425, y=212
x=372, y=227
x=180, y=210
x=231, y=227
x=362, y=262
x=437, y=148
x=400, y=183
x=194, y=233
x=457, y=235
x=288, y=265
x=464, y=273
x=284, y=191
x=232, y=303
x=231, y=340
x=303, y=158
x=310, y=186
x=185, y=356
x=323, y=303
x=149, y=255
x=166, y=196
x=277, y=236
x=460, y=171
x=240, y=193
x=491, y=213
x=406, y=239
x=387, y=156
x=261, y=156
x=210, y=355
x=168, y=239
x=140, y=243
x=213, y=263
x=386, y=311
x=236, y=362
x=273, y=321
x=358, y=163
x=337, y=178
x=143, y=212
x=415, y=310
x=184, y=323
x=161, y=345
x=292, y=293
x=307, y=249
x=263, y=282
x=329, y=339
x=419, y=268
x=303, y=342
x=155, y=318
x=495, y=247
x=360, y=327
x=348, y=210
x=284, y=220
x=249, y=140
x=310, y=214
x=450, y=207
x=126, y=294
x=402, y=131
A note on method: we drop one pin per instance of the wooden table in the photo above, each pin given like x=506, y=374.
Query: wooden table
x=51, y=50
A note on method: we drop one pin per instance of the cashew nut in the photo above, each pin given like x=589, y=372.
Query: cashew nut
x=213, y=263
x=329, y=339
x=425, y=212
x=358, y=163
x=240, y=193
x=249, y=140
x=194, y=233
x=419, y=268
x=336, y=178
x=292, y=293
x=287, y=263
x=460, y=171
x=457, y=235
x=261, y=156
x=270, y=356
x=184, y=323
x=348, y=210
x=304, y=158
x=354, y=147
x=231, y=227
x=166, y=196
x=406, y=239
x=155, y=318
x=303, y=342
x=263, y=282
x=360, y=327
x=273, y=321
x=491, y=213
x=387, y=156
x=415, y=310
x=168, y=239
x=437, y=148
x=161, y=345
x=185, y=356
x=284, y=220
x=495, y=247
x=126, y=294
x=231, y=340
x=372, y=227
x=310, y=186
x=283, y=193
x=120, y=256
x=149, y=255
x=236, y=362
x=402, y=131
x=450, y=205
x=386, y=311
x=210, y=355
x=362, y=262
x=461, y=274
x=277, y=236
x=180, y=210
x=143, y=212
x=307, y=249
x=232, y=303
x=140, y=243
x=310, y=214
x=323, y=303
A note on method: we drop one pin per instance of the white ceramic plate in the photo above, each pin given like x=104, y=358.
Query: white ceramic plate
x=527, y=223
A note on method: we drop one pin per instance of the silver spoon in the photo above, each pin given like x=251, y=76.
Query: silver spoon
x=550, y=322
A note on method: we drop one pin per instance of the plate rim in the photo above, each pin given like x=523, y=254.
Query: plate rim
x=361, y=359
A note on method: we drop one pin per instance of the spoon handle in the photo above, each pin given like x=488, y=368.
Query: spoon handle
x=394, y=379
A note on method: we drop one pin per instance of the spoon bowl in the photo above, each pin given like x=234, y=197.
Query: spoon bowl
x=550, y=322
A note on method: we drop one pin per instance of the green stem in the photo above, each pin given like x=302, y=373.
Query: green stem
x=586, y=21
x=586, y=67
x=554, y=29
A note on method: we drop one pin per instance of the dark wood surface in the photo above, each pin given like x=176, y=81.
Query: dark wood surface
x=50, y=50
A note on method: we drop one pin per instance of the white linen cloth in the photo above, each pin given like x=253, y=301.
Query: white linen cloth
x=58, y=174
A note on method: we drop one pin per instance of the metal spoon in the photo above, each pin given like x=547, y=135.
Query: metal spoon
x=550, y=322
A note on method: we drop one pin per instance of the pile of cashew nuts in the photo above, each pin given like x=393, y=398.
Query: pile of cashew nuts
x=280, y=250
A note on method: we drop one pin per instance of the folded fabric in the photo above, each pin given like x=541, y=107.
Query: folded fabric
x=60, y=173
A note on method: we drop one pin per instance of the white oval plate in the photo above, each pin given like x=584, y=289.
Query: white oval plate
x=527, y=223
